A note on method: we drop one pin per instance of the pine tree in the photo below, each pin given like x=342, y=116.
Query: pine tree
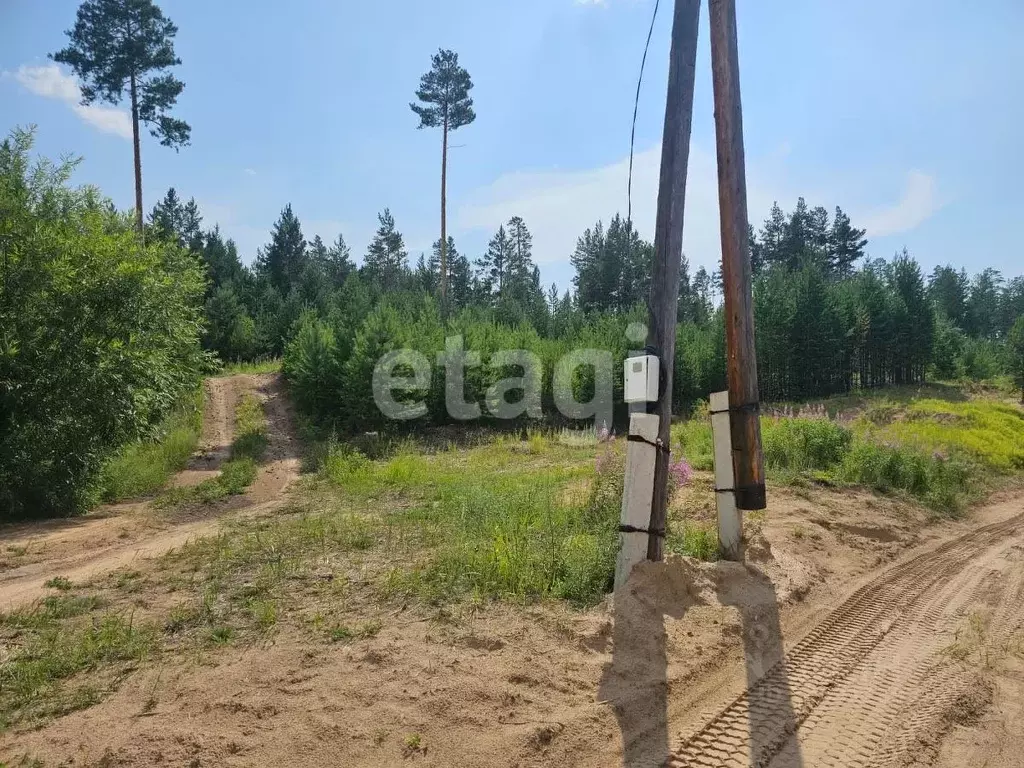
x=459, y=278
x=119, y=44
x=553, y=298
x=983, y=304
x=284, y=259
x=520, y=261
x=1011, y=304
x=702, y=303
x=773, y=235
x=756, y=252
x=221, y=257
x=846, y=245
x=175, y=222
x=629, y=262
x=914, y=320
x=819, y=231
x=316, y=251
x=339, y=262
x=385, y=262
x=445, y=103
x=191, y=226
x=493, y=265
x=426, y=276
x=796, y=241
x=947, y=289
x=166, y=217
x=588, y=259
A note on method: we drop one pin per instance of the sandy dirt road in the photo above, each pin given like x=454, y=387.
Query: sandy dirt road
x=882, y=678
x=117, y=535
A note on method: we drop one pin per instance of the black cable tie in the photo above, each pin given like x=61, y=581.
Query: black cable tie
x=641, y=439
x=749, y=407
x=625, y=528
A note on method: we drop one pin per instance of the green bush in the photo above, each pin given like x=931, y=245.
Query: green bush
x=100, y=335
x=941, y=483
x=804, y=444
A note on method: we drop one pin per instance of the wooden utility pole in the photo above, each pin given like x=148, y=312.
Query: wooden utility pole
x=748, y=464
x=444, y=228
x=668, y=244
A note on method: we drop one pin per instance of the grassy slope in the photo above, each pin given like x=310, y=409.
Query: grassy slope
x=932, y=444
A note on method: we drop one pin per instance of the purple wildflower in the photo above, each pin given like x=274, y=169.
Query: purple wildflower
x=680, y=472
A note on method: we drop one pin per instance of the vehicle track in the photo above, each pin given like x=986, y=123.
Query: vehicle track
x=868, y=686
x=123, y=533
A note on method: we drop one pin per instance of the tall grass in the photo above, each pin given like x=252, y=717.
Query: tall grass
x=941, y=452
x=509, y=539
x=144, y=467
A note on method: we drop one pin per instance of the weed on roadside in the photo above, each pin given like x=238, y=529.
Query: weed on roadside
x=55, y=640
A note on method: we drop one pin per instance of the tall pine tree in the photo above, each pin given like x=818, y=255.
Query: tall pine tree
x=284, y=259
x=128, y=44
x=445, y=103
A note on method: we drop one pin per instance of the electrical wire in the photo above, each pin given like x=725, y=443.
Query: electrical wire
x=632, y=133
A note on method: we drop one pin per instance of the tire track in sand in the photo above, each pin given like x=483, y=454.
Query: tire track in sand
x=868, y=686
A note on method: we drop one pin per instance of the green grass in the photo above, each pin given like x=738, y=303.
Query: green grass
x=691, y=539
x=61, y=583
x=143, y=468
x=991, y=433
x=342, y=633
x=272, y=365
x=930, y=443
x=52, y=643
x=250, y=429
x=236, y=474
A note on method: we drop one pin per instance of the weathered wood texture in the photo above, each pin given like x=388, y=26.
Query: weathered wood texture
x=748, y=463
x=668, y=241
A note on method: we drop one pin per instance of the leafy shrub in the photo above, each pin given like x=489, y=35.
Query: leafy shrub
x=100, y=335
x=804, y=444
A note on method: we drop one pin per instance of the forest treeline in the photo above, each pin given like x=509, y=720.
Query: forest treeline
x=828, y=319
x=102, y=336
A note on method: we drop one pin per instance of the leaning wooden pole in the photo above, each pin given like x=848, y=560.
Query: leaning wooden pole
x=668, y=244
x=748, y=463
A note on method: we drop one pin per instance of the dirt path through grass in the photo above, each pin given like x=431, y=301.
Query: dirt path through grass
x=116, y=535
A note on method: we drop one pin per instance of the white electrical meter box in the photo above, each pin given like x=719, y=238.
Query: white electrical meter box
x=641, y=379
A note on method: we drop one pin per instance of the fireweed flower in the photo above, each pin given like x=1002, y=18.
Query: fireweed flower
x=680, y=472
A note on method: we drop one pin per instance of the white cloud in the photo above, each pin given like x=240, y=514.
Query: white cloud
x=51, y=82
x=918, y=203
x=559, y=205
x=250, y=172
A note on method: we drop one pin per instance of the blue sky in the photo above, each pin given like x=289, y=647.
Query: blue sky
x=907, y=114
